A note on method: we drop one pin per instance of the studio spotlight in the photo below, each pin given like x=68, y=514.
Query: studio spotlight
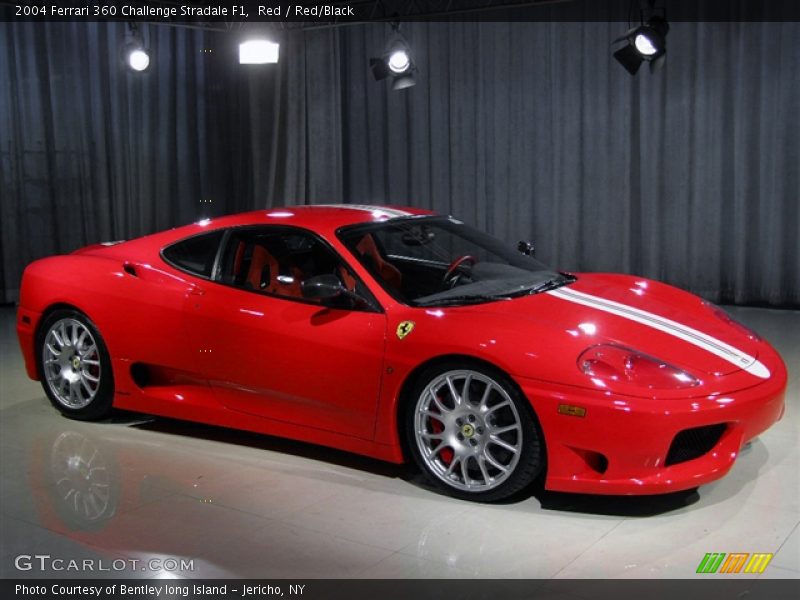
x=647, y=42
x=396, y=62
x=135, y=55
x=399, y=61
x=138, y=59
x=258, y=52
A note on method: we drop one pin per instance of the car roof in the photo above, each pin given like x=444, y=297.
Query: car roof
x=323, y=219
x=319, y=216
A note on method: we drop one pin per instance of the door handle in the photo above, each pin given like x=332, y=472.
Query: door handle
x=129, y=269
x=196, y=290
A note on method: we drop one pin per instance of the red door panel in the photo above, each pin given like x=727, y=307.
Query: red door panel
x=289, y=360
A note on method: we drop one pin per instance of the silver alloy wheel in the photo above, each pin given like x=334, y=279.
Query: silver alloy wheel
x=71, y=363
x=468, y=430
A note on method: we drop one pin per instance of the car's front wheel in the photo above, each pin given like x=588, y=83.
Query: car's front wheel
x=74, y=365
x=473, y=433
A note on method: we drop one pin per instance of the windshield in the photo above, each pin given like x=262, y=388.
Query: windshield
x=437, y=261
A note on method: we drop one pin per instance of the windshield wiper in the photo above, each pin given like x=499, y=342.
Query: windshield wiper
x=463, y=300
x=552, y=284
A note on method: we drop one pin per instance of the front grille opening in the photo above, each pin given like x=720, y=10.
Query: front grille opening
x=594, y=460
x=694, y=443
x=599, y=463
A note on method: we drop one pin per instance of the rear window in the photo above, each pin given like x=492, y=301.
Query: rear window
x=195, y=254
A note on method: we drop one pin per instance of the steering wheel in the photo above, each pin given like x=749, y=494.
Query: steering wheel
x=451, y=275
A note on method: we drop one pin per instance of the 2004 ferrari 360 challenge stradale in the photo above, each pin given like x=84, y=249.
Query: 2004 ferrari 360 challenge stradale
x=402, y=334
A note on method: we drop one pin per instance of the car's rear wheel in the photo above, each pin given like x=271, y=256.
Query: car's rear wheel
x=74, y=365
x=473, y=433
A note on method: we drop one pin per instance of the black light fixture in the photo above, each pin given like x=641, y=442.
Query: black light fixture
x=647, y=42
x=135, y=55
x=396, y=62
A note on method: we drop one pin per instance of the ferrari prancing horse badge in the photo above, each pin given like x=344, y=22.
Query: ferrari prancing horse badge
x=404, y=329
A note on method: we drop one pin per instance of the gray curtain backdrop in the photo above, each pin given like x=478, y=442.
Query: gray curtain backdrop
x=89, y=152
x=528, y=130
x=533, y=131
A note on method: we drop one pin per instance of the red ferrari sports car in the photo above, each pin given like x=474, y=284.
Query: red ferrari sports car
x=402, y=334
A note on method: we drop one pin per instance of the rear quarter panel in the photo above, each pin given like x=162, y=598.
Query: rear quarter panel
x=138, y=316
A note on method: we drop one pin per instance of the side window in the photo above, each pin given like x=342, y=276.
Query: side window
x=276, y=261
x=195, y=254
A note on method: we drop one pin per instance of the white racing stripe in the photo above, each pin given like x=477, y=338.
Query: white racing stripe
x=673, y=328
x=378, y=211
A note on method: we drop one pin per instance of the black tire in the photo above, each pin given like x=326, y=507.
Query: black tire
x=522, y=466
x=99, y=405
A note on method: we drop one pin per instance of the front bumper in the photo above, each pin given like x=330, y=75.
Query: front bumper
x=621, y=444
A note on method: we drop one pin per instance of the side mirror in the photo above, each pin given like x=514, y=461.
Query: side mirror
x=526, y=248
x=322, y=287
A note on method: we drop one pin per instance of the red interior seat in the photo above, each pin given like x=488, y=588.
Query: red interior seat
x=263, y=270
x=267, y=274
x=387, y=271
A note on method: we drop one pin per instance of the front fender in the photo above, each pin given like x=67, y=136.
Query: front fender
x=441, y=333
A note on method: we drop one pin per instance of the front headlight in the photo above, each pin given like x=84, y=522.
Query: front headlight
x=618, y=364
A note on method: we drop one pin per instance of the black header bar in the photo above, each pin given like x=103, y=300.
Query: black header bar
x=300, y=14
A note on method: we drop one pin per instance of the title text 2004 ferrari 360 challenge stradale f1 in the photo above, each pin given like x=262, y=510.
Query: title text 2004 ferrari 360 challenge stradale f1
x=401, y=334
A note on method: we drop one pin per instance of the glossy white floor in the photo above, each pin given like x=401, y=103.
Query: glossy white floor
x=246, y=505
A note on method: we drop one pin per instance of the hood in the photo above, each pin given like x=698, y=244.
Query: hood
x=645, y=315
